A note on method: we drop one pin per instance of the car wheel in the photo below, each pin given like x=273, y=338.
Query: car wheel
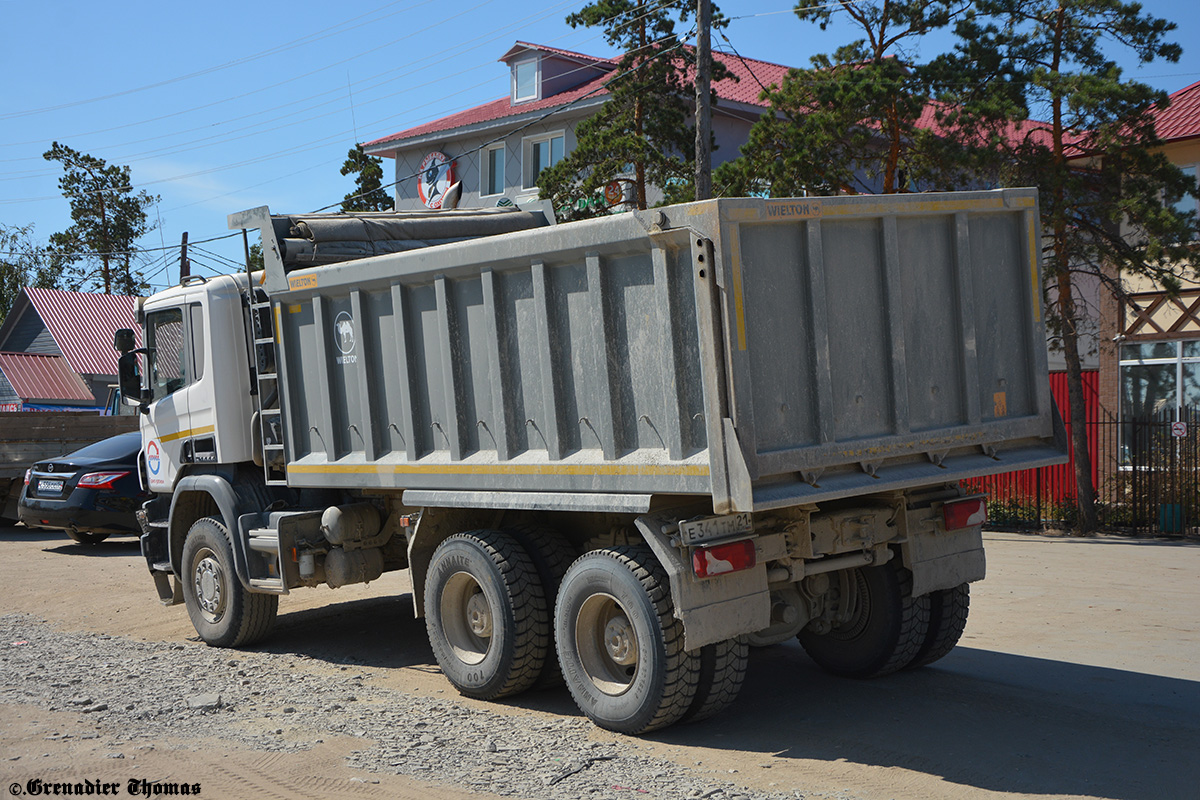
x=83, y=537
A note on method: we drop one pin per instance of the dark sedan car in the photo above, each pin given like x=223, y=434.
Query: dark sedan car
x=91, y=493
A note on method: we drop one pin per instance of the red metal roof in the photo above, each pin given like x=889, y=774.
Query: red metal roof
x=520, y=48
x=43, y=378
x=83, y=325
x=1181, y=120
x=752, y=75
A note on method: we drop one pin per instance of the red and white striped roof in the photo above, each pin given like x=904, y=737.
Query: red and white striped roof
x=43, y=378
x=83, y=325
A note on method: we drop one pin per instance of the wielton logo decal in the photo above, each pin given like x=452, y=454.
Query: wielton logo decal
x=344, y=338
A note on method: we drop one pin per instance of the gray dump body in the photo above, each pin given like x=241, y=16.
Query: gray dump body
x=764, y=353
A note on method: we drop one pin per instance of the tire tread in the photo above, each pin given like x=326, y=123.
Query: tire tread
x=531, y=629
x=948, y=609
x=682, y=666
x=551, y=557
x=722, y=673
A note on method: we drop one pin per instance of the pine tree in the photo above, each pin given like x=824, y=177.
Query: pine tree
x=1106, y=192
x=369, y=194
x=99, y=249
x=849, y=123
x=641, y=137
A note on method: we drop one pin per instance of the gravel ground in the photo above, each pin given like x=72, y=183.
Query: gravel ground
x=140, y=692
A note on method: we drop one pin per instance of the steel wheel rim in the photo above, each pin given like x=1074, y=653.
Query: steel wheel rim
x=467, y=618
x=208, y=579
x=607, y=644
x=860, y=607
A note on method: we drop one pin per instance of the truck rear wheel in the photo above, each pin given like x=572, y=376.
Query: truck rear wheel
x=722, y=672
x=884, y=631
x=552, y=557
x=947, y=620
x=619, y=643
x=486, y=614
x=223, y=612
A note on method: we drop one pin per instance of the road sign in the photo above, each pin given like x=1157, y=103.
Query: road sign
x=1179, y=429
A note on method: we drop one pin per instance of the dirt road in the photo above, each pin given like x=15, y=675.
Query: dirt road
x=1079, y=676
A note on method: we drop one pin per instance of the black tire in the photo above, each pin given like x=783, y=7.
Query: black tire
x=886, y=631
x=619, y=643
x=947, y=620
x=552, y=556
x=84, y=537
x=486, y=614
x=222, y=610
x=722, y=673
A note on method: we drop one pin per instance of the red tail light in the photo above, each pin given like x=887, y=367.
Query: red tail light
x=722, y=558
x=964, y=514
x=28, y=473
x=101, y=480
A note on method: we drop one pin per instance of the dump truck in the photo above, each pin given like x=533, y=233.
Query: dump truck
x=612, y=453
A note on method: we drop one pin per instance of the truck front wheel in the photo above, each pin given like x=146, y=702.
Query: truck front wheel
x=223, y=612
x=619, y=644
x=882, y=628
x=486, y=614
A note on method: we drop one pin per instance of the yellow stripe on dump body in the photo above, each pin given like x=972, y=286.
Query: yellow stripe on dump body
x=682, y=470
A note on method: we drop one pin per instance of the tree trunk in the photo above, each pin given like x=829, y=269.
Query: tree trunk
x=1085, y=490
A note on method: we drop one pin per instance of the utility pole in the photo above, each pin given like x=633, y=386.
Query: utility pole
x=703, y=101
x=185, y=268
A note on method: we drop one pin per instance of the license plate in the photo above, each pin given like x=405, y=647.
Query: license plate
x=707, y=529
x=50, y=487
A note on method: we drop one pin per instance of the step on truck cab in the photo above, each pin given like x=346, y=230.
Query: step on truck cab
x=612, y=453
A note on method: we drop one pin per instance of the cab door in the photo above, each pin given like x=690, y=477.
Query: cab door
x=170, y=371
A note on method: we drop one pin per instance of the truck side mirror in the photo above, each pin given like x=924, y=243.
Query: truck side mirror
x=124, y=340
x=129, y=379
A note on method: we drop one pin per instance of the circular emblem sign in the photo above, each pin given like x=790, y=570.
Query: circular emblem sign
x=343, y=333
x=153, y=457
x=612, y=193
x=437, y=173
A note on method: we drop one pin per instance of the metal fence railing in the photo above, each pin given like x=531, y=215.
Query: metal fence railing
x=1146, y=472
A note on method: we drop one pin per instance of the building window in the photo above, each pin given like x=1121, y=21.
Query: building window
x=493, y=171
x=1187, y=203
x=1160, y=381
x=541, y=152
x=525, y=80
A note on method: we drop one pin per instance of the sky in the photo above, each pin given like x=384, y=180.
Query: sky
x=219, y=106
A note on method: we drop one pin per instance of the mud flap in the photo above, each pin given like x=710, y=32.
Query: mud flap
x=168, y=595
x=945, y=560
x=712, y=609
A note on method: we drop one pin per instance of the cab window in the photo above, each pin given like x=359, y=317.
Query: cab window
x=169, y=364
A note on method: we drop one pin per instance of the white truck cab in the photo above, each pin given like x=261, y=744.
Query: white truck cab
x=199, y=406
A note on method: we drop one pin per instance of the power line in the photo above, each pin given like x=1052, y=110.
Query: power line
x=209, y=70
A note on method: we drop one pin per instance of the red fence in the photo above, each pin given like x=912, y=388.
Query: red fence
x=1051, y=485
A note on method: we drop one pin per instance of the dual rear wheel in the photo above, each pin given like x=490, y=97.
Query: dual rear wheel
x=882, y=628
x=618, y=646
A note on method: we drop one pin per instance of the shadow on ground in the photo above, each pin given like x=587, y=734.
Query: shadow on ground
x=978, y=718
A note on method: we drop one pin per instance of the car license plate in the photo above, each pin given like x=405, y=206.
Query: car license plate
x=706, y=529
x=50, y=487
